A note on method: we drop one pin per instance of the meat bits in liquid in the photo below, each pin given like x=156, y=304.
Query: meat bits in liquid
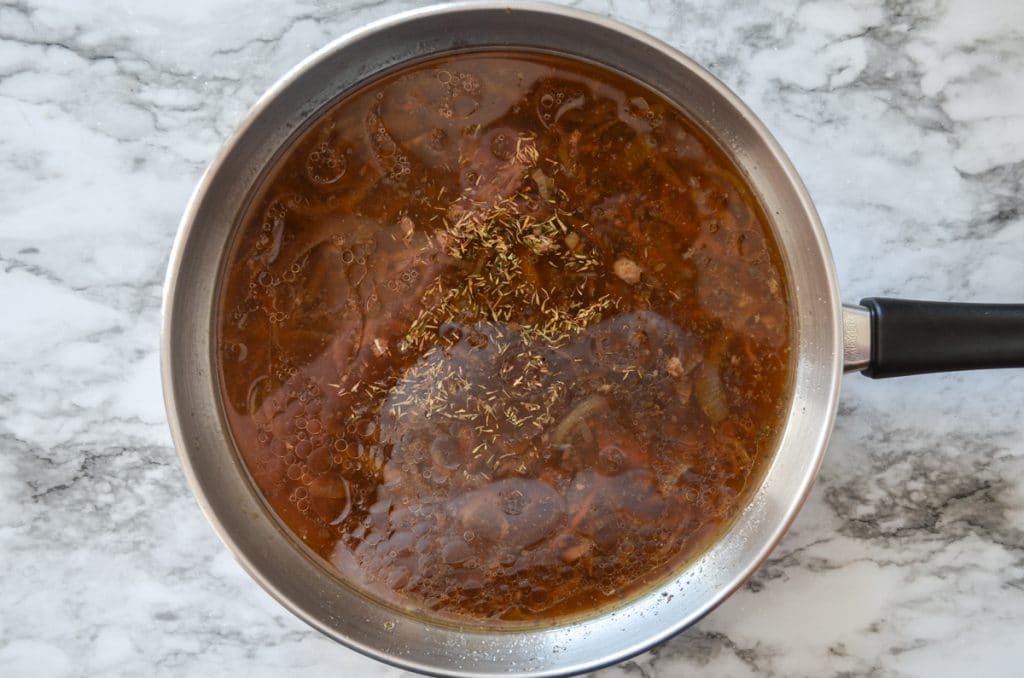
x=503, y=338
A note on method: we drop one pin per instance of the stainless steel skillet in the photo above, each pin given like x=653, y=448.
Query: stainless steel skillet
x=880, y=337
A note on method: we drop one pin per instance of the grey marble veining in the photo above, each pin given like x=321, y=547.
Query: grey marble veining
x=906, y=120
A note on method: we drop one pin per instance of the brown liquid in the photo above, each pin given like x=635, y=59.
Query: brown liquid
x=504, y=337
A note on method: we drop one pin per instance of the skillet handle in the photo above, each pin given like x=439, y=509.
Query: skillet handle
x=916, y=337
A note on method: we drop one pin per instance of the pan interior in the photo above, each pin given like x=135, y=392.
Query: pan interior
x=220, y=482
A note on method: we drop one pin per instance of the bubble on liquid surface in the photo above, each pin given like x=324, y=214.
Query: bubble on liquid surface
x=556, y=98
x=324, y=166
x=460, y=94
x=512, y=502
x=503, y=143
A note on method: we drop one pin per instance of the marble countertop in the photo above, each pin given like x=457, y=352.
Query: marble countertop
x=906, y=120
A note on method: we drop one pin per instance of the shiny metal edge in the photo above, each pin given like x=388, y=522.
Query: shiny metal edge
x=827, y=295
x=856, y=338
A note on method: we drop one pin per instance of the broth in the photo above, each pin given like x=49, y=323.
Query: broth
x=504, y=338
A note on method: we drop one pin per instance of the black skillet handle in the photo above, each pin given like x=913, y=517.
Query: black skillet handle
x=915, y=337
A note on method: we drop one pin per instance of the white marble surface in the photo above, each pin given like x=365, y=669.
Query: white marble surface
x=905, y=118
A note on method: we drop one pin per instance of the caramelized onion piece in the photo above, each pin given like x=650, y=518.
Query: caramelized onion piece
x=577, y=415
x=710, y=393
